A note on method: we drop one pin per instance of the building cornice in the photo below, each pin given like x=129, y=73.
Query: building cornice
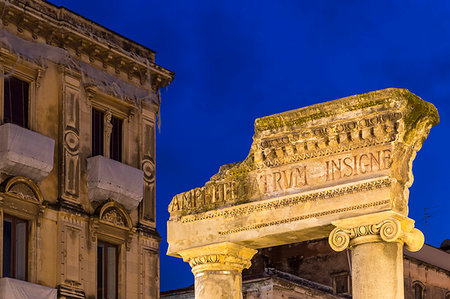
x=60, y=27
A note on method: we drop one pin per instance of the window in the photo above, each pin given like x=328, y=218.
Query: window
x=15, y=101
x=115, y=149
x=97, y=132
x=418, y=288
x=341, y=283
x=104, y=125
x=107, y=257
x=15, y=232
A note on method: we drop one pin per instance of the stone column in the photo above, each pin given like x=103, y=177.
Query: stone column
x=376, y=242
x=218, y=269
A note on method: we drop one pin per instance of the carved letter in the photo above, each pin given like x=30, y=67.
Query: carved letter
x=387, y=158
x=377, y=161
x=348, y=166
x=276, y=181
x=361, y=169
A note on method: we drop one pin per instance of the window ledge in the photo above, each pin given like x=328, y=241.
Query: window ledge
x=109, y=179
x=25, y=153
x=13, y=288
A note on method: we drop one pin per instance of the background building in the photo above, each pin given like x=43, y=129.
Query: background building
x=78, y=107
x=313, y=270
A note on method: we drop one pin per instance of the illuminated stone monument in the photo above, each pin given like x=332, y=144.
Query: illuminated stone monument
x=339, y=169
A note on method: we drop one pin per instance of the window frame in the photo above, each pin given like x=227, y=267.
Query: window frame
x=118, y=109
x=105, y=267
x=23, y=70
x=13, y=245
x=103, y=227
x=420, y=284
x=349, y=282
x=23, y=199
x=27, y=112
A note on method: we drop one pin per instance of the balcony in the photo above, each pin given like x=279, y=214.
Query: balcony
x=13, y=288
x=109, y=179
x=25, y=153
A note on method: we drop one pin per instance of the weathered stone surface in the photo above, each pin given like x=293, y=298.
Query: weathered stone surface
x=307, y=168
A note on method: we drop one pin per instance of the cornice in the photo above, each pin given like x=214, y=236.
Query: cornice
x=60, y=27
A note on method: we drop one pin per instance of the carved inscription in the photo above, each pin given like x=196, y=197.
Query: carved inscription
x=358, y=164
x=282, y=181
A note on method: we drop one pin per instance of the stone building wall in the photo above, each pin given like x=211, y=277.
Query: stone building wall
x=317, y=262
x=72, y=201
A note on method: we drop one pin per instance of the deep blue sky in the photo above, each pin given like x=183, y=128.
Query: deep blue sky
x=239, y=60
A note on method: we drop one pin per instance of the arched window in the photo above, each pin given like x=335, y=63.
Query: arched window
x=419, y=290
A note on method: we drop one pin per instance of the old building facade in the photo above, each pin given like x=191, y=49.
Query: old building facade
x=79, y=105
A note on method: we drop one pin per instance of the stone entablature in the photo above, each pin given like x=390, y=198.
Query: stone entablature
x=346, y=140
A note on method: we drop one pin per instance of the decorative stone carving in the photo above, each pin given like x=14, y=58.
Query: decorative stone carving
x=24, y=188
x=114, y=217
x=147, y=209
x=217, y=269
x=70, y=185
x=224, y=256
x=108, y=129
x=112, y=223
x=115, y=214
x=395, y=228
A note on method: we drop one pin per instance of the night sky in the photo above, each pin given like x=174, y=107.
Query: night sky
x=239, y=60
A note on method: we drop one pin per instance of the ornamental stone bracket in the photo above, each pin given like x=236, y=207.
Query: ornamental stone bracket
x=342, y=167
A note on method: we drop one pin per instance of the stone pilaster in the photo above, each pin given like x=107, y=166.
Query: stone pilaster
x=376, y=242
x=218, y=269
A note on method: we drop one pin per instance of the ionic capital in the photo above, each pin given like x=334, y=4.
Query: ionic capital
x=218, y=257
x=379, y=227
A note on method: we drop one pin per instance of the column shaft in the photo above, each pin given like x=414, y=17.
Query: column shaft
x=377, y=270
x=218, y=284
